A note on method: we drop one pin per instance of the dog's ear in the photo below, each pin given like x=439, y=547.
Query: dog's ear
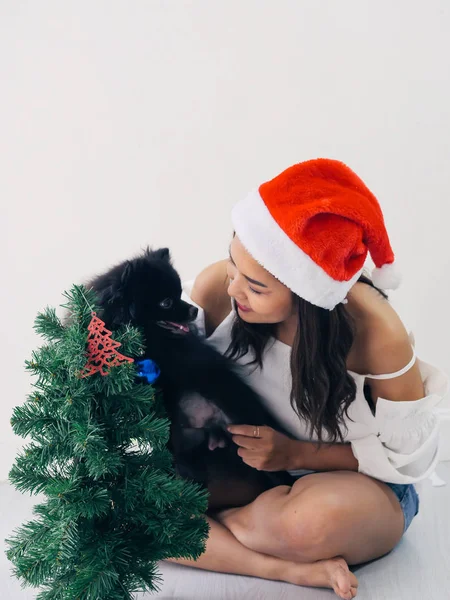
x=115, y=291
x=162, y=254
x=112, y=294
x=126, y=275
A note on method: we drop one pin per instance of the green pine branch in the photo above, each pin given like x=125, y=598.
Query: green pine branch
x=48, y=325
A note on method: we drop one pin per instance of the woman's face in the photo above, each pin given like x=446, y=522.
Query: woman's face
x=259, y=297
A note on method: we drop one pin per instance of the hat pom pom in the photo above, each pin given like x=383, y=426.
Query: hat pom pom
x=386, y=277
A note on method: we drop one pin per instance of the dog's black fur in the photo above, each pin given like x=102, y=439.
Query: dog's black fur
x=202, y=392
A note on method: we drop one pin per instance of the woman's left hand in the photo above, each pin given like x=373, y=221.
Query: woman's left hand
x=262, y=447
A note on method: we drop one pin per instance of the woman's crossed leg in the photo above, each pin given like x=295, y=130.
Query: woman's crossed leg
x=321, y=516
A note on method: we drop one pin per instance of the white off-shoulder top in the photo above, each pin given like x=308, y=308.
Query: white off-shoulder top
x=399, y=444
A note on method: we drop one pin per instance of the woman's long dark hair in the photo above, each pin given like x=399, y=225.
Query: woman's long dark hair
x=322, y=390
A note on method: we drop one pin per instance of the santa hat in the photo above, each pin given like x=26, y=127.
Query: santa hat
x=312, y=226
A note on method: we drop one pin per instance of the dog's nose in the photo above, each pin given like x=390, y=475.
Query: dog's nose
x=193, y=312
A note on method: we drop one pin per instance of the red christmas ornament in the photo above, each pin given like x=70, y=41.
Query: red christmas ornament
x=101, y=350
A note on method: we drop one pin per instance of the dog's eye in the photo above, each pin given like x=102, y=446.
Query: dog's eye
x=166, y=303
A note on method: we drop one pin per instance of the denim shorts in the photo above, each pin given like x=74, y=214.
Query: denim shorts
x=409, y=501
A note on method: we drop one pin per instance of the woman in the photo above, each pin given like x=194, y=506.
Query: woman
x=335, y=365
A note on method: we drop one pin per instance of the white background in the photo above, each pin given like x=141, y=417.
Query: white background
x=124, y=124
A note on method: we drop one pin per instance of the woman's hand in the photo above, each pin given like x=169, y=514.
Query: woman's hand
x=266, y=449
x=263, y=448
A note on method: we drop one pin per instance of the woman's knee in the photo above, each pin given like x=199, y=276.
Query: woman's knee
x=338, y=515
x=311, y=521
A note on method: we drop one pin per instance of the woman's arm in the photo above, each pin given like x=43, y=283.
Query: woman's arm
x=403, y=446
x=210, y=292
x=328, y=457
x=386, y=349
x=382, y=346
x=271, y=450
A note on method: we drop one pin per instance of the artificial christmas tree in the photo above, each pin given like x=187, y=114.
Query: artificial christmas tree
x=113, y=504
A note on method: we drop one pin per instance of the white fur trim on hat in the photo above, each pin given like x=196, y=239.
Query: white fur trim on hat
x=275, y=251
x=387, y=277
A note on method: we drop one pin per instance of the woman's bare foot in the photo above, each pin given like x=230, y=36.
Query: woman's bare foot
x=331, y=573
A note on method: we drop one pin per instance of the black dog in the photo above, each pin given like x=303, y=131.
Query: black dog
x=201, y=391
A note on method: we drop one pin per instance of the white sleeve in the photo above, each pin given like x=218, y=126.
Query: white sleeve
x=404, y=447
x=186, y=296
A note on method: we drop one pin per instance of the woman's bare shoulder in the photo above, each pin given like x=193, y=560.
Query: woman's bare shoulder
x=383, y=346
x=382, y=343
x=210, y=292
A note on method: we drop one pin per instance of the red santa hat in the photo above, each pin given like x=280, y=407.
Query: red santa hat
x=312, y=226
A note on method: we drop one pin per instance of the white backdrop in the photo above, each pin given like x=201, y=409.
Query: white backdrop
x=131, y=123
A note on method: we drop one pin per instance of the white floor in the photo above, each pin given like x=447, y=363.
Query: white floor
x=418, y=569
